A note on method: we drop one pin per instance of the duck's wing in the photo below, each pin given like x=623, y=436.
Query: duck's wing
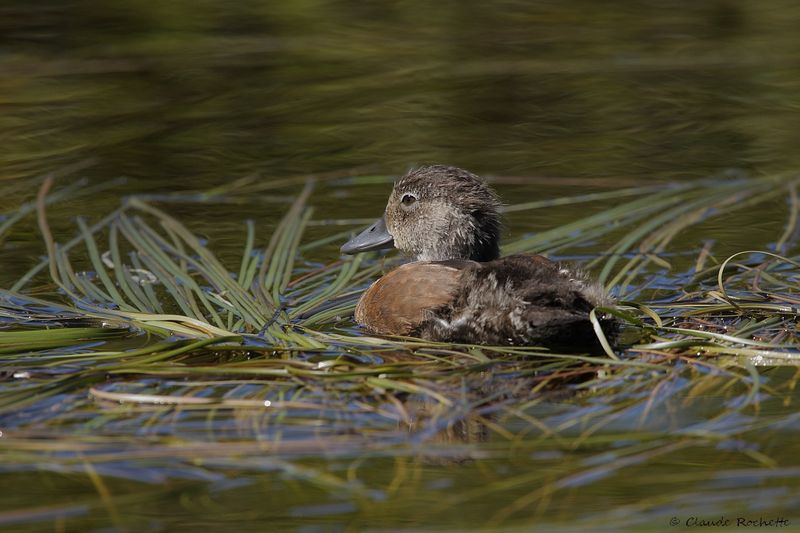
x=563, y=278
x=398, y=303
x=520, y=299
x=524, y=265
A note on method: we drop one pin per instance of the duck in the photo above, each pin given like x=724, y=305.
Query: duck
x=457, y=288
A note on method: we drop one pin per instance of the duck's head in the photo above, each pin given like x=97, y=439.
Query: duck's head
x=436, y=213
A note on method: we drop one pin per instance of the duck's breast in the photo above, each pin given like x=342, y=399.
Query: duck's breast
x=398, y=302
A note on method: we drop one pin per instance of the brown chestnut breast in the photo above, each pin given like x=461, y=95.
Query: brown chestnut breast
x=399, y=302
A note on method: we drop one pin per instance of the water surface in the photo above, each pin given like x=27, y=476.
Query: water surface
x=547, y=100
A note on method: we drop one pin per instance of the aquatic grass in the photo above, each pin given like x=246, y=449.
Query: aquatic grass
x=164, y=352
x=169, y=261
x=23, y=341
x=273, y=273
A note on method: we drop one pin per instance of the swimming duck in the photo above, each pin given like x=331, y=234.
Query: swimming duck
x=458, y=289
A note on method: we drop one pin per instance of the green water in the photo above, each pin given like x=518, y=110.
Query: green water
x=548, y=99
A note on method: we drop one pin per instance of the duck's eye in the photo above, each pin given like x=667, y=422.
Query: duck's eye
x=408, y=200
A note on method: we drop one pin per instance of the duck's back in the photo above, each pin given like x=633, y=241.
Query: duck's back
x=519, y=299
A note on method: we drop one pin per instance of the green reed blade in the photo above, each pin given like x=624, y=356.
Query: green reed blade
x=146, y=288
x=207, y=263
x=45, y=263
x=247, y=256
x=275, y=257
x=346, y=273
x=131, y=290
x=100, y=269
x=176, y=278
x=164, y=270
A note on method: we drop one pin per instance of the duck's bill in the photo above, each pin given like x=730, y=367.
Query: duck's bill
x=375, y=237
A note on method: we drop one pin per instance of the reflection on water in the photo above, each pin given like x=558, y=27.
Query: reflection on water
x=547, y=98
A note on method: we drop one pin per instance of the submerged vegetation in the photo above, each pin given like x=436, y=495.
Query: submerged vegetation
x=167, y=364
x=133, y=351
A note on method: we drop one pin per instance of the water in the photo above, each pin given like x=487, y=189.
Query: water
x=549, y=99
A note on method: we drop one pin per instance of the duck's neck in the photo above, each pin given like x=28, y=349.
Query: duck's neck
x=480, y=248
x=488, y=251
x=486, y=238
x=473, y=235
